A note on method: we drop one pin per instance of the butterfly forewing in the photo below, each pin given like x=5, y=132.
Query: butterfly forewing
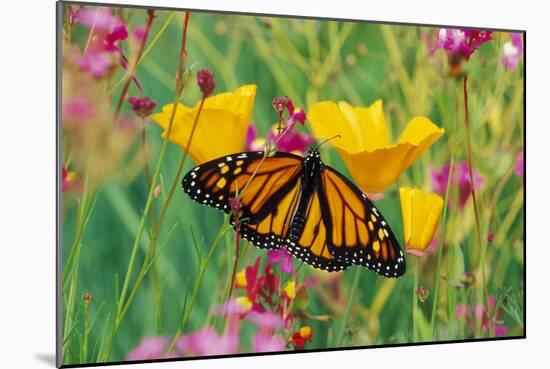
x=256, y=178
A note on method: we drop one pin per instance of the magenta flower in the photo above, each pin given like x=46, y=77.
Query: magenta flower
x=450, y=40
x=235, y=205
x=461, y=41
x=143, y=107
x=512, y=51
x=206, y=81
x=283, y=257
x=97, y=63
x=139, y=33
x=292, y=141
x=294, y=115
x=77, y=109
x=266, y=319
x=72, y=13
x=207, y=341
x=519, y=167
x=263, y=342
x=64, y=179
x=472, y=314
x=461, y=178
x=70, y=180
x=253, y=141
x=109, y=31
x=118, y=33
x=100, y=18
x=150, y=348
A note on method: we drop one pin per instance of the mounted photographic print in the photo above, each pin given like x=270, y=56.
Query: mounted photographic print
x=243, y=184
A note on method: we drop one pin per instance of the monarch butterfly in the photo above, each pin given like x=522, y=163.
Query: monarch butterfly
x=301, y=204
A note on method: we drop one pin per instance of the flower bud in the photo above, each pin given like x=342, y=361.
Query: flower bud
x=206, y=81
x=422, y=293
x=143, y=107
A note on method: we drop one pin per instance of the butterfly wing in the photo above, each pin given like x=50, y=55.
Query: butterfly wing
x=268, y=187
x=215, y=182
x=311, y=245
x=268, y=227
x=357, y=231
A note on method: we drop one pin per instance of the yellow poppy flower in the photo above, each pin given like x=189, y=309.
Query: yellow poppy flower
x=222, y=125
x=421, y=214
x=364, y=145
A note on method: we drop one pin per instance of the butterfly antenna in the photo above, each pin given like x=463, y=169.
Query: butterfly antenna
x=328, y=139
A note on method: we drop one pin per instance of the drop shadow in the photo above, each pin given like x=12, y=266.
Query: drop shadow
x=46, y=358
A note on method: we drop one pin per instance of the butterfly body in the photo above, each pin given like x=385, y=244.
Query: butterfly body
x=312, y=166
x=301, y=204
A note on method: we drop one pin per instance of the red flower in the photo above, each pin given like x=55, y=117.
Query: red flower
x=300, y=338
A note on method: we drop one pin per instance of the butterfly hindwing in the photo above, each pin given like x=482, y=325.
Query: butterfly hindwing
x=268, y=228
x=358, y=234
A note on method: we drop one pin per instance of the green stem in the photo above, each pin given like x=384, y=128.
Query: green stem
x=180, y=166
x=236, y=261
x=84, y=352
x=415, y=300
x=69, y=280
x=482, y=247
x=132, y=68
x=351, y=301
x=84, y=211
x=149, y=47
x=440, y=247
x=197, y=286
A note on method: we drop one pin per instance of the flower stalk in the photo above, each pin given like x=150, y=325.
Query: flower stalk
x=132, y=68
x=351, y=301
x=443, y=233
x=441, y=242
x=180, y=166
x=415, y=300
x=481, y=244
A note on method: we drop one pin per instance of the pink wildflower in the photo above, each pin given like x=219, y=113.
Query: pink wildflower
x=512, y=51
x=461, y=178
x=264, y=342
x=283, y=257
x=519, y=167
